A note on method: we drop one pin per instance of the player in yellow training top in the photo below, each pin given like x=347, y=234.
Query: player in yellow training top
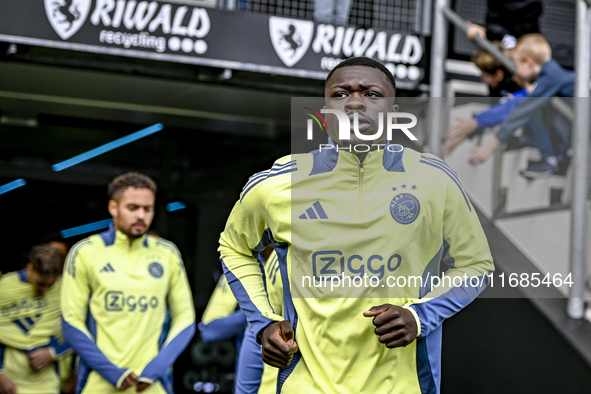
x=31, y=342
x=343, y=214
x=126, y=303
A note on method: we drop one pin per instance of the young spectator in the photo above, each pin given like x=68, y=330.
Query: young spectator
x=499, y=82
x=508, y=20
x=533, y=58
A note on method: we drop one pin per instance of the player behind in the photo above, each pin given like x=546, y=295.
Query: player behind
x=119, y=288
x=31, y=342
x=221, y=320
x=390, y=213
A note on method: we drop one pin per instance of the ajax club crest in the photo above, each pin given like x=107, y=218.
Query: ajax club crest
x=291, y=38
x=156, y=270
x=67, y=16
x=405, y=208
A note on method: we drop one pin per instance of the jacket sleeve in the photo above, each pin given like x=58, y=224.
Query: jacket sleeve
x=182, y=323
x=242, y=239
x=529, y=107
x=57, y=346
x=464, y=250
x=74, y=304
x=497, y=113
x=220, y=319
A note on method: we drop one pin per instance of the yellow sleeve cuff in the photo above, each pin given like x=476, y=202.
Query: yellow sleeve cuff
x=122, y=378
x=416, y=316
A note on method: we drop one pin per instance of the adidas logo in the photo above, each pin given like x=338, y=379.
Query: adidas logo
x=107, y=268
x=314, y=212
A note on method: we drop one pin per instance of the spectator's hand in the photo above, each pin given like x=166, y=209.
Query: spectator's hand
x=278, y=344
x=450, y=144
x=141, y=386
x=396, y=326
x=462, y=128
x=41, y=358
x=129, y=381
x=482, y=153
x=6, y=385
x=479, y=155
x=474, y=30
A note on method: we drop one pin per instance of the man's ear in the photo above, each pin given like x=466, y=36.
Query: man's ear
x=395, y=108
x=113, y=208
x=499, y=75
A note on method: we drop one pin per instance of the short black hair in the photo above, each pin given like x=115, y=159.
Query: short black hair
x=47, y=260
x=131, y=179
x=363, y=62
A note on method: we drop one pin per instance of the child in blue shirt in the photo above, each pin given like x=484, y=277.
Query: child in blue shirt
x=533, y=58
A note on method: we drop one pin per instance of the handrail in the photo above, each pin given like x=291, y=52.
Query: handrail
x=483, y=43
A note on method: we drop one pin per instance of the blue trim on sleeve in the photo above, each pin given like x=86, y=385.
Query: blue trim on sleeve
x=109, y=235
x=1, y=355
x=289, y=312
x=165, y=329
x=60, y=349
x=223, y=328
x=249, y=371
x=156, y=369
x=433, y=312
x=91, y=354
x=255, y=318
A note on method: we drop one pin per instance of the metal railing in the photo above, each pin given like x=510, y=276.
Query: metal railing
x=581, y=122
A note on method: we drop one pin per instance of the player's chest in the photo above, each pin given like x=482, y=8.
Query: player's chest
x=402, y=206
x=130, y=271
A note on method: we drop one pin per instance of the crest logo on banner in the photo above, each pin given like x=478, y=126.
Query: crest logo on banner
x=67, y=16
x=291, y=38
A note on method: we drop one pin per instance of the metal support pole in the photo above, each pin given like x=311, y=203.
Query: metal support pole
x=438, y=56
x=580, y=142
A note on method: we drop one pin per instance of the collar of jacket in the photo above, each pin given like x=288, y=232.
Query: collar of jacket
x=115, y=237
x=389, y=157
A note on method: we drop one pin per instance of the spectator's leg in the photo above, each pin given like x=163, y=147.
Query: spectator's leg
x=541, y=138
x=323, y=11
x=342, y=12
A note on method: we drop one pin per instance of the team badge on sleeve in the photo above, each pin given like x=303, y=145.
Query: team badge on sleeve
x=156, y=270
x=405, y=208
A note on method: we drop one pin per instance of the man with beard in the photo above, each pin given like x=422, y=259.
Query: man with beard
x=126, y=303
x=358, y=208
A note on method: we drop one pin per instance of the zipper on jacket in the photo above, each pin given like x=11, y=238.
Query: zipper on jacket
x=360, y=190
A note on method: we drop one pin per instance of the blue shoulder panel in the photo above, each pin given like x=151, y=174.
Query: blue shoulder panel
x=392, y=159
x=325, y=160
x=109, y=235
